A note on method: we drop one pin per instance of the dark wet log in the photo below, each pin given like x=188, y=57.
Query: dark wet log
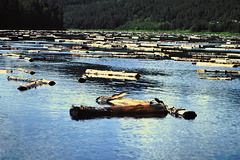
x=141, y=111
x=82, y=79
x=15, y=78
x=6, y=71
x=25, y=71
x=29, y=85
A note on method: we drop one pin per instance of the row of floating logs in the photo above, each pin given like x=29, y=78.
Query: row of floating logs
x=219, y=71
x=235, y=73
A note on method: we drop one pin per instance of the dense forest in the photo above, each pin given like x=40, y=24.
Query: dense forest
x=30, y=14
x=193, y=15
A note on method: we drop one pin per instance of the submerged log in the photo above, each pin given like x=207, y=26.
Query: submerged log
x=15, y=78
x=26, y=71
x=29, y=85
x=6, y=71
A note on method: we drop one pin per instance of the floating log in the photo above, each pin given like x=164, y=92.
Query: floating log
x=15, y=78
x=181, y=112
x=141, y=111
x=210, y=64
x=129, y=107
x=92, y=73
x=29, y=85
x=215, y=78
x=219, y=71
x=26, y=71
x=6, y=71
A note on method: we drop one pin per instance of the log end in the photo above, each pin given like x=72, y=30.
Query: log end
x=189, y=115
x=82, y=79
x=22, y=88
x=52, y=83
x=32, y=72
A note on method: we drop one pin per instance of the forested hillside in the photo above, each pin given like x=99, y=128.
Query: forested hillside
x=194, y=15
x=30, y=14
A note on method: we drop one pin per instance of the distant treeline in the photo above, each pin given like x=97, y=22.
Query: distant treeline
x=30, y=14
x=193, y=15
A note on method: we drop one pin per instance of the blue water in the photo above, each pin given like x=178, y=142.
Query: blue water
x=35, y=124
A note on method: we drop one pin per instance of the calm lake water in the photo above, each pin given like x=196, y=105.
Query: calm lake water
x=35, y=124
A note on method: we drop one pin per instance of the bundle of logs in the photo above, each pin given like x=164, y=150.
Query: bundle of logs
x=126, y=107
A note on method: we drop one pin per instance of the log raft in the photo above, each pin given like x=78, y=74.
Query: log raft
x=15, y=78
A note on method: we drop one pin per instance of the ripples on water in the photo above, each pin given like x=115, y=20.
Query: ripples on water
x=36, y=124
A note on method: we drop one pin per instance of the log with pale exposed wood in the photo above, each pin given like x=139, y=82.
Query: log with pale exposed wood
x=15, y=78
x=211, y=64
x=25, y=71
x=215, y=78
x=128, y=107
x=6, y=71
x=29, y=85
x=92, y=73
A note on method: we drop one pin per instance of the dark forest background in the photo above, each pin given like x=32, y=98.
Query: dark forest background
x=193, y=15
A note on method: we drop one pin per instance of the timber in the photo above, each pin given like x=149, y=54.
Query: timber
x=6, y=71
x=121, y=107
x=211, y=64
x=15, y=78
x=215, y=78
x=25, y=71
x=219, y=71
x=29, y=85
x=86, y=112
x=93, y=73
